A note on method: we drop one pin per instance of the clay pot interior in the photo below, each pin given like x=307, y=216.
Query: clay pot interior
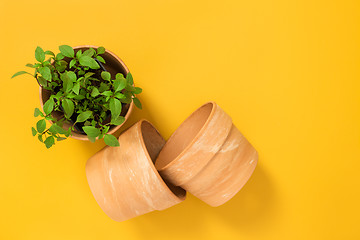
x=113, y=65
x=184, y=135
x=151, y=139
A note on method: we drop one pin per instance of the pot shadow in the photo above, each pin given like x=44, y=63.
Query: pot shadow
x=178, y=222
x=253, y=206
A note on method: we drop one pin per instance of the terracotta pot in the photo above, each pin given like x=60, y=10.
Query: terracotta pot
x=124, y=180
x=113, y=65
x=208, y=156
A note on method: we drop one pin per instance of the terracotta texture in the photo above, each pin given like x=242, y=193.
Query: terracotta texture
x=208, y=156
x=124, y=180
x=114, y=65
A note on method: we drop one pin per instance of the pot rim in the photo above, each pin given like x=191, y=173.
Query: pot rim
x=197, y=136
x=80, y=136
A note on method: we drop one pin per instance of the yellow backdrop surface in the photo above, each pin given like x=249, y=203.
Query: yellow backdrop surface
x=286, y=71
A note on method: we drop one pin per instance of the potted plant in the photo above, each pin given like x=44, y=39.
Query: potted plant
x=86, y=93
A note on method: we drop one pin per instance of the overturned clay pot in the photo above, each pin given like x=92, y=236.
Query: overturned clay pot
x=124, y=180
x=208, y=156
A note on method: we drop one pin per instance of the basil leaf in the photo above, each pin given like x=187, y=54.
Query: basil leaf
x=39, y=54
x=82, y=117
x=68, y=106
x=67, y=51
x=110, y=140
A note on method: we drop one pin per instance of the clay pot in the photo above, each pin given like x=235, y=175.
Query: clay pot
x=208, y=156
x=113, y=65
x=124, y=180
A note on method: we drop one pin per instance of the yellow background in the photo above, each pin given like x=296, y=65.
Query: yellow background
x=286, y=71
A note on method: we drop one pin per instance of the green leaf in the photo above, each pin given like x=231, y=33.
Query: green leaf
x=88, y=74
x=107, y=93
x=41, y=125
x=20, y=73
x=58, y=129
x=45, y=73
x=72, y=75
x=50, y=118
x=61, y=138
x=72, y=63
x=68, y=106
x=52, y=130
x=91, y=131
x=130, y=88
x=115, y=108
x=129, y=78
x=50, y=53
x=34, y=132
x=120, y=95
x=61, y=65
x=49, y=106
x=71, y=95
x=68, y=132
x=119, y=84
x=118, y=121
x=82, y=117
x=92, y=139
x=49, y=141
x=89, y=52
x=59, y=56
x=119, y=76
x=88, y=62
x=79, y=97
x=95, y=92
x=78, y=53
x=39, y=54
x=76, y=88
x=137, y=90
x=40, y=138
x=137, y=102
x=67, y=82
x=103, y=87
x=111, y=140
x=100, y=59
x=30, y=65
x=106, y=75
x=42, y=81
x=67, y=51
x=128, y=98
x=100, y=50
x=101, y=136
x=38, y=112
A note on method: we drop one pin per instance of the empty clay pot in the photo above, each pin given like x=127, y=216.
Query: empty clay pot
x=124, y=180
x=208, y=156
x=113, y=65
